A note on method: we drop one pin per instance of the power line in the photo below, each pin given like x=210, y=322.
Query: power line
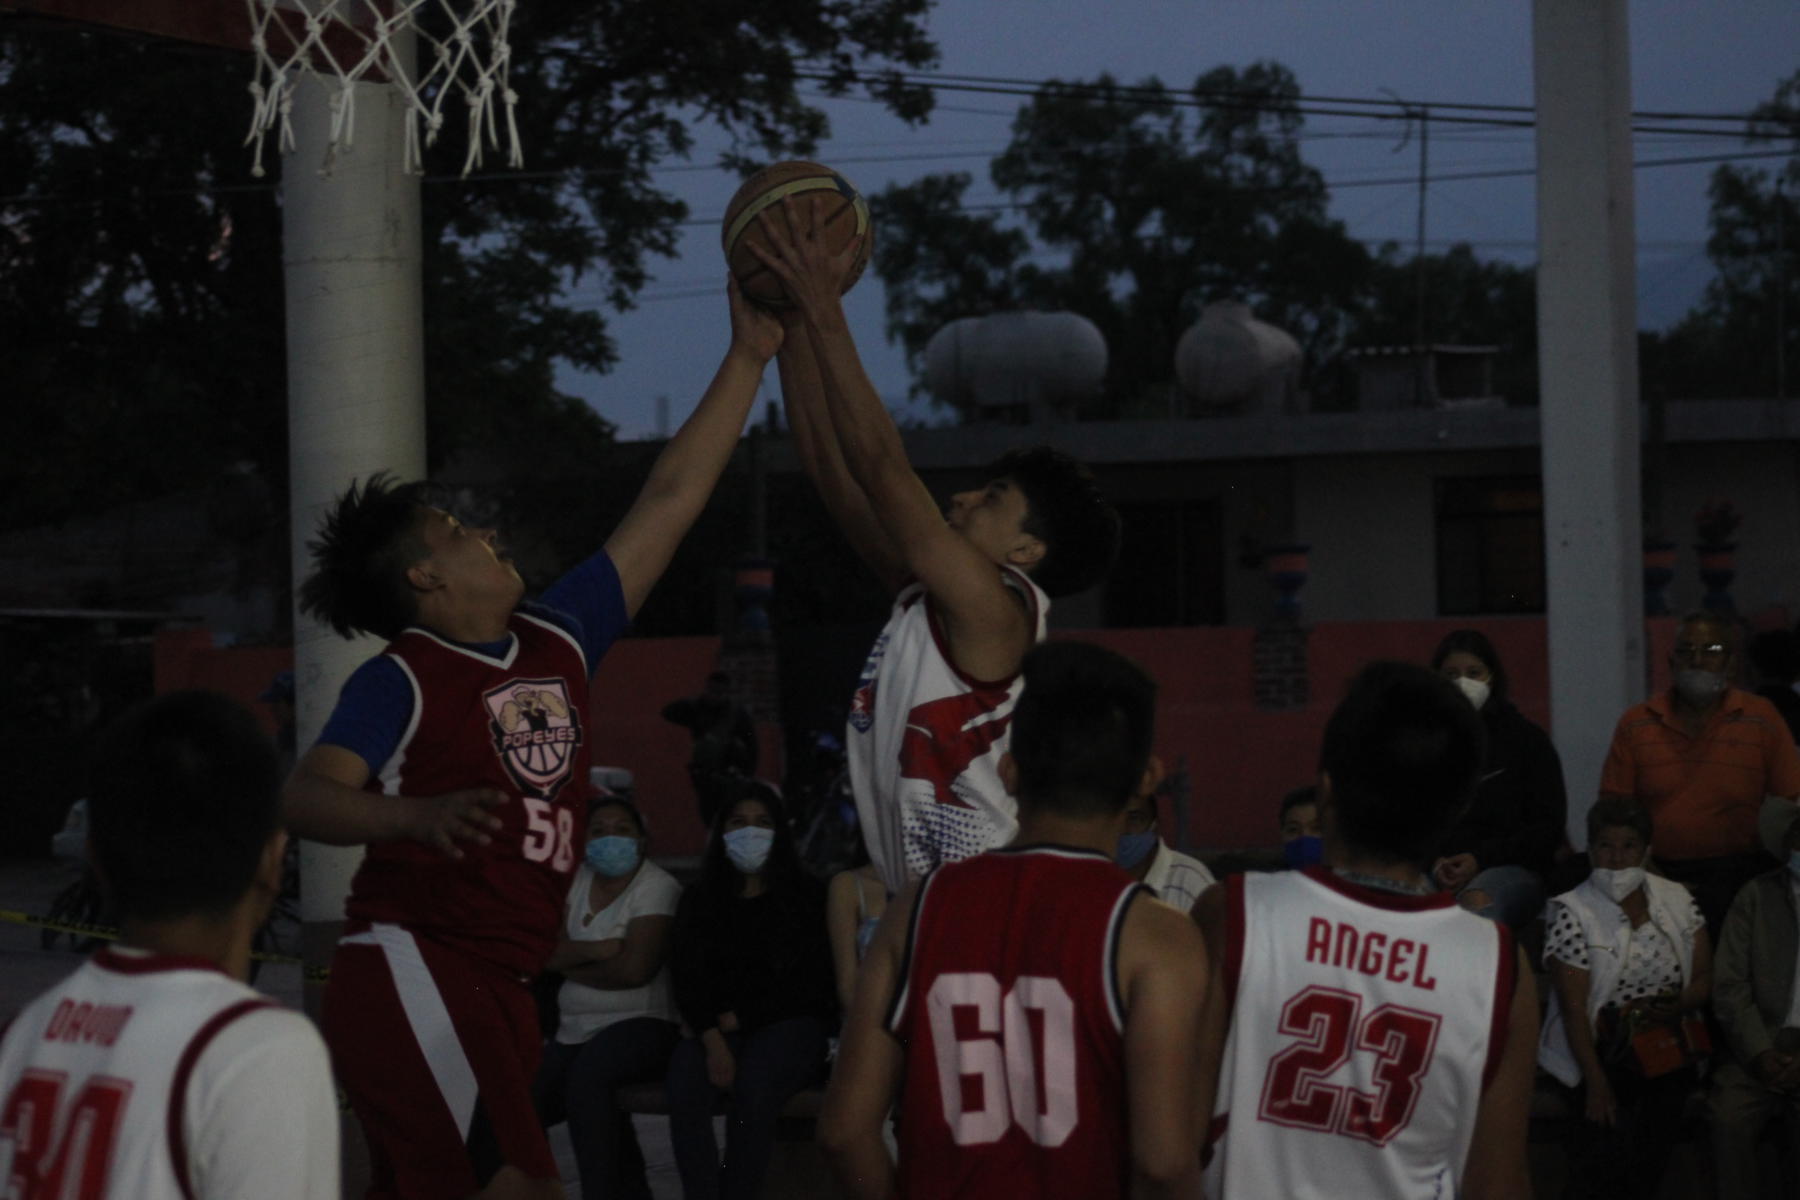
x=1388, y=109
x=1404, y=180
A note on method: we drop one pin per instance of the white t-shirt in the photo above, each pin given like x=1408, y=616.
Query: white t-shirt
x=586, y=1010
x=925, y=740
x=1177, y=878
x=155, y=1078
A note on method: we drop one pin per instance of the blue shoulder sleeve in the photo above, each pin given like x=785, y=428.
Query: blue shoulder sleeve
x=372, y=712
x=590, y=603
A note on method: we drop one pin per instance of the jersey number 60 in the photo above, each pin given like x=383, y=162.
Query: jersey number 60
x=1007, y=1067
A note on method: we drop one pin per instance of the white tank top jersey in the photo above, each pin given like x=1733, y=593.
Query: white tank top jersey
x=164, y=1079
x=925, y=741
x=1365, y=1026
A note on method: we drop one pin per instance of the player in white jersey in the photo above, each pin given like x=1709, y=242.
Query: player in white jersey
x=153, y=1072
x=929, y=719
x=1365, y=1036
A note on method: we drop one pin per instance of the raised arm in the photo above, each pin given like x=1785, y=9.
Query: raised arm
x=988, y=629
x=682, y=478
x=816, y=442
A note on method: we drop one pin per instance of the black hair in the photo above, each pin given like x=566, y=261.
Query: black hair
x=1402, y=751
x=182, y=800
x=1065, y=510
x=1475, y=642
x=719, y=879
x=1623, y=812
x=368, y=539
x=602, y=800
x=1304, y=794
x=1082, y=729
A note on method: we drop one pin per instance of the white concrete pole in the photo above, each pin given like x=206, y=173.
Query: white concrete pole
x=356, y=390
x=1587, y=357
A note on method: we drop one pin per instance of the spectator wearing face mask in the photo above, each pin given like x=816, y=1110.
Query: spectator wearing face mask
x=1176, y=878
x=617, y=1023
x=753, y=982
x=1701, y=757
x=1628, y=957
x=1496, y=856
x=1302, y=844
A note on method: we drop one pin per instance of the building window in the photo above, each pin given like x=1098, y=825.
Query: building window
x=1171, y=566
x=1490, y=545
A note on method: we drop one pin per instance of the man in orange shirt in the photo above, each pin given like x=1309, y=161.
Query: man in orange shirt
x=1701, y=757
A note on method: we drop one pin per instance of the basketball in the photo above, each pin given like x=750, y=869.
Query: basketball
x=839, y=212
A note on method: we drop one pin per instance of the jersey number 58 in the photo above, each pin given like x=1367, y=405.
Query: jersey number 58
x=549, y=833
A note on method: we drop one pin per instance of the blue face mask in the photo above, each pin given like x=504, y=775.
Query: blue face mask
x=1134, y=848
x=1303, y=851
x=748, y=848
x=1794, y=862
x=612, y=856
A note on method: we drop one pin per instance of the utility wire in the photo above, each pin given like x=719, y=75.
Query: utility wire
x=1385, y=108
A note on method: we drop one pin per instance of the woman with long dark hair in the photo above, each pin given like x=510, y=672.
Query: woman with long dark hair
x=753, y=983
x=1499, y=853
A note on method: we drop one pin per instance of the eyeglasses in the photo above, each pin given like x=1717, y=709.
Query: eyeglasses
x=1690, y=651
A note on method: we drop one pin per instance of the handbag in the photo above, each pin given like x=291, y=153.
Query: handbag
x=1649, y=1048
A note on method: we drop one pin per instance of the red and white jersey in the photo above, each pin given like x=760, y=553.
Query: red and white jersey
x=517, y=723
x=1365, y=1026
x=161, y=1078
x=925, y=741
x=1010, y=1014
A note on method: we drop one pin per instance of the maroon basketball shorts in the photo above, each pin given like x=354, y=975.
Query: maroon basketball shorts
x=436, y=1051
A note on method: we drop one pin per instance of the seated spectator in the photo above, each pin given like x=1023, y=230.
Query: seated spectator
x=853, y=907
x=1701, y=757
x=1758, y=1079
x=617, y=1009
x=1627, y=952
x=1775, y=654
x=1176, y=878
x=1496, y=857
x=752, y=974
x=1302, y=843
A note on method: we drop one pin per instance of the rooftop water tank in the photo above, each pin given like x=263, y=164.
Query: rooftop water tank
x=1228, y=361
x=1016, y=367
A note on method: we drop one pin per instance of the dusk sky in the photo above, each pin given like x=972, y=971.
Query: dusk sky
x=1687, y=56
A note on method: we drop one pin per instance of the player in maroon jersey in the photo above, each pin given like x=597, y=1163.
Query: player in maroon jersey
x=459, y=757
x=1037, y=1002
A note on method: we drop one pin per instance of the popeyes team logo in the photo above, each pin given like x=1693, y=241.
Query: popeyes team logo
x=536, y=733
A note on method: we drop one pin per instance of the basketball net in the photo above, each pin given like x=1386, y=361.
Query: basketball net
x=342, y=42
